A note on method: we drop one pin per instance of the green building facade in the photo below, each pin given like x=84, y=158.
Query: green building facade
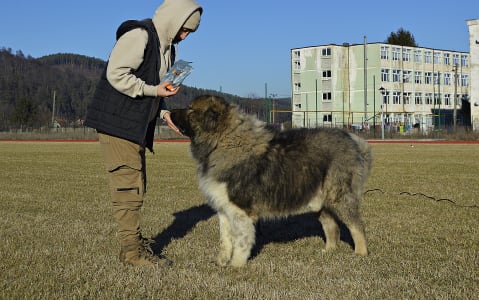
x=364, y=85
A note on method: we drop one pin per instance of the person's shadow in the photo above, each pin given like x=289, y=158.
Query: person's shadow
x=280, y=230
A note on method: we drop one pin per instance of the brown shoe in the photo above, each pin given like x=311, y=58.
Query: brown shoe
x=144, y=242
x=139, y=256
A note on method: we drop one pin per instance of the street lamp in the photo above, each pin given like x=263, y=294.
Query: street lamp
x=384, y=92
x=454, y=69
x=273, y=112
x=385, y=100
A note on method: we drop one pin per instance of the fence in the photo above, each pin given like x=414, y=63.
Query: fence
x=72, y=133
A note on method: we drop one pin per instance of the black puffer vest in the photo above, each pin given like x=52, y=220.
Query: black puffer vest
x=119, y=115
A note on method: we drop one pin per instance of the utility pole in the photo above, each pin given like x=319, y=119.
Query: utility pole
x=53, y=107
x=316, y=103
x=266, y=107
x=454, y=117
x=365, y=80
x=439, y=96
x=374, y=107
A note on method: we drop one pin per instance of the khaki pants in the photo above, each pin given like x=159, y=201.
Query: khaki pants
x=125, y=164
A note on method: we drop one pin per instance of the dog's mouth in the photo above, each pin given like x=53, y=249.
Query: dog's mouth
x=182, y=130
x=180, y=119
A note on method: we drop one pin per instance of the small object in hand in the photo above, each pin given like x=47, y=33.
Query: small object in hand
x=177, y=74
x=170, y=88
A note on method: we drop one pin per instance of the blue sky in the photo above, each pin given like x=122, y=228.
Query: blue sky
x=240, y=45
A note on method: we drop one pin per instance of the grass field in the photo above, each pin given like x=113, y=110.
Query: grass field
x=58, y=237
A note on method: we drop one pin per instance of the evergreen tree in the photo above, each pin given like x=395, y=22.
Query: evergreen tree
x=401, y=37
x=25, y=113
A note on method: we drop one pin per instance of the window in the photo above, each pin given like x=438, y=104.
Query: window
x=406, y=55
x=418, y=77
x=447, y=78
x=385, y=52
x=327, y=74
x=385, y=75
x=396, y=53
x=428, y=77
x=464, y=80
x=297, y=106
x=428, y=98
x=447, y=59
x=417, y=56
x=385, y=97
x=297, y=86
x=455, y=59
x=437, y=58
x=418, y=98
x=428, y=57
x=406, y=76
x=326, y=51
x=327, y=96
x=407, y=97
x=447, y=99
x=464, y=60
x=296, y=54
x=437, y=99
x=297, y=65
x=396, y=75
x=396, y=98
x=327, y=118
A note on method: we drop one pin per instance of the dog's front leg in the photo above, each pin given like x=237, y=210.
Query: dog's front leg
x=226, y=243
x=243, y=233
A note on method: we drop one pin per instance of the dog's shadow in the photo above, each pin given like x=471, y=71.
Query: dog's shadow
x=184, y=221
x=281, y=230
x=292, y=228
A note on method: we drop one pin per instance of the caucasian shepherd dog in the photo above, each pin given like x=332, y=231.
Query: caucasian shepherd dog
x=248, y=170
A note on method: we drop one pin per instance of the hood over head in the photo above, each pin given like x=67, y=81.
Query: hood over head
x=170, y=16
x=193, y=21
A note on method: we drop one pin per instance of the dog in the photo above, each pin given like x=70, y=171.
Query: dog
x=248, y=170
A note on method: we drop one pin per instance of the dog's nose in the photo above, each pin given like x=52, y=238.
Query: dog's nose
x=175, y=113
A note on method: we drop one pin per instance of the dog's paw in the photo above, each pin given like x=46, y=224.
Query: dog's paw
x=222, y=261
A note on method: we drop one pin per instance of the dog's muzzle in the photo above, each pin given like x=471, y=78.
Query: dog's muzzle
x=180, y=119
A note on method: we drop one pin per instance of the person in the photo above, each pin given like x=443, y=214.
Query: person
x=127, y=101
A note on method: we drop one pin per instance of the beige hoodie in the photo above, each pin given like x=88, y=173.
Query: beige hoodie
x=127, y=54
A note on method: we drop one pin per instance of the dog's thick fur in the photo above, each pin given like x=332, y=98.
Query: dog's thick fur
x=248, y=171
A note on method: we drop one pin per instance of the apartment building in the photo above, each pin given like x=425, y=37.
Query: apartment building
x=354, y=85
x=474, y=53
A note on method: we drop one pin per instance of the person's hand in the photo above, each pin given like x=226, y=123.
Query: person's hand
x=162, y=91
x=169, y=122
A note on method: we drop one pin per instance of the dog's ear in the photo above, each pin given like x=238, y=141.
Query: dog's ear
x=217, y=109
x=210, y=119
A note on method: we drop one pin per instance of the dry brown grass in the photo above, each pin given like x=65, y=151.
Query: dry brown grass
x=58, y=237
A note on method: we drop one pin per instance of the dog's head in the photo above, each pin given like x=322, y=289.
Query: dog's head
x=204, y=114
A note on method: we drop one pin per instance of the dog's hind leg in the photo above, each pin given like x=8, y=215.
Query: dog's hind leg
x=331, y=229
x=348, y=212
x=359, y=237
x=226, y=243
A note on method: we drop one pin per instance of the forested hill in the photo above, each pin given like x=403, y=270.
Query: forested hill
x=29, y=87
